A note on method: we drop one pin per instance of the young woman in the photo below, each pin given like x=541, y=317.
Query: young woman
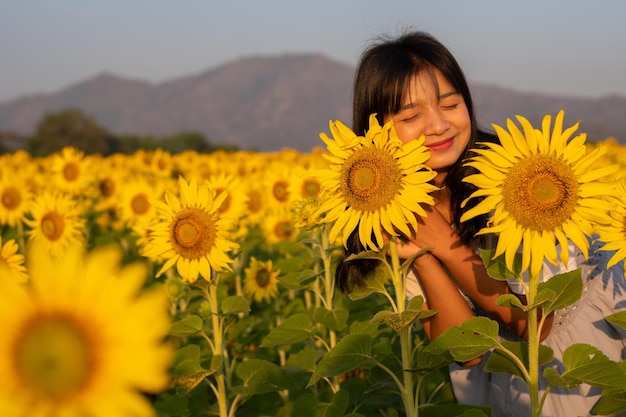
x=415, y=81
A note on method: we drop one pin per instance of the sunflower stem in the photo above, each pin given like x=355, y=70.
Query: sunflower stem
x=406, y=350
x=329, y=291
x=533, y=348
x=218, y=343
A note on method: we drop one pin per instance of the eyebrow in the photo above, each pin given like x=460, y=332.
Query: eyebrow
x=441, y=97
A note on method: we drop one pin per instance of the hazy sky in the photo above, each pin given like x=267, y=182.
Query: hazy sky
x=567, y=47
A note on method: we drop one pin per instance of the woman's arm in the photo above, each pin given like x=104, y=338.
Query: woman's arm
x=449, y=258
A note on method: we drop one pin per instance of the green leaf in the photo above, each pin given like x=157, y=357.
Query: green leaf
x=501, y=361
x=470, y=340
x=187, y=326
x=235, y=304
x=298, y=279
x=408, y=263
x=416, y=303
x=351, y=352
x=260, y=377
x=398, y=321
x=172, y=405
x=560, y=291
x=510, y=301
x=457, y=410
x=611, y=402
x=188, y=374
x=618, y=319
x=305, y=359
x=333, y=319
x=496, y=267
x=427, y=360
x=587, y=364
x=294, y=329
x=375, y=283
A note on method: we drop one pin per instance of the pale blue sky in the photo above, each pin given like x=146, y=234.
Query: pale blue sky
x=575, y=48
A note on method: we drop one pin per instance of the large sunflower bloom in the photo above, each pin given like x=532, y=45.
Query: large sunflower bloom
x=189, y=233
x=612, y=236
x=80, y=339
x=373, y=182
x=542, y=189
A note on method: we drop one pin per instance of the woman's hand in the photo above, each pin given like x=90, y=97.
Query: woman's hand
x=433, y=232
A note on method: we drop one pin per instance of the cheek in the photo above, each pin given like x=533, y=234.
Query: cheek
x=407, y=134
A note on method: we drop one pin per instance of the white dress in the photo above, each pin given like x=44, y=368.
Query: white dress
x=604, y=293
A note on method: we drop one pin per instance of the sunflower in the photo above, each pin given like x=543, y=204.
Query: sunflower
x=12, y=260
x=612, y=236
x=71, y=171
x=15, y=199
x=81, y=338
x=134, y=202
x=189, y=233
x=541, y=191
x=234, y=206
x=56, y=221
x=373, y=182
x=279, y=226
x=256, y=207
x=261, y=281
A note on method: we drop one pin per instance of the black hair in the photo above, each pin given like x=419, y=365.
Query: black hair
x=382, y=78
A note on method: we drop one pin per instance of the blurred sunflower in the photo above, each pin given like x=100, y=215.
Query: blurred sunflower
x=71, y=171
x=81, y=339
x=158, y=162
x=189, y=233
x=305, y=184
x=15, y=199
x=261, y=280
x=234, y=205
x=374, y=183
x=12, y=260
x=612, y=236
x=541, y=190
x=134, y=203
x=278, y=182
x=56, y=222
x=256, y=204
x=279, y=226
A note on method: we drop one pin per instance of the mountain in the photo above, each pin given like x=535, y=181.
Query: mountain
x=272, y=102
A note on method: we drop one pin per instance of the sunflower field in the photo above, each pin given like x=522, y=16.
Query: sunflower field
x=159, y=284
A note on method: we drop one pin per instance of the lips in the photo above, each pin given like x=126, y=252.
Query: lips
x=441, y=145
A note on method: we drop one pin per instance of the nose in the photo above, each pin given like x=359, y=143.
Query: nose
x=437, y=123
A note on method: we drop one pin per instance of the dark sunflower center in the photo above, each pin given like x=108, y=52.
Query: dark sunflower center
x=11, y=198
x=54, y=356
x=140, y=204
x=370, y=179
x=281, y=191
x=254, y=201
x=310, y=188
x=193, y=233
x=540, y=192
x=283, y=230
x=52, y=225
x=263, y=278
x=107, y=187
x=71, y=171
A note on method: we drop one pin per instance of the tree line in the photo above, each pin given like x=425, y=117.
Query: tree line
x=72, y=127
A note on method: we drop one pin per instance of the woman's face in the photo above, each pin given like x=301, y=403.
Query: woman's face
x=432, y=107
